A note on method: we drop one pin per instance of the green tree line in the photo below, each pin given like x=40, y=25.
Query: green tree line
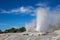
x=14, y=30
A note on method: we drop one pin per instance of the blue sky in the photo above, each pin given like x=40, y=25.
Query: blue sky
x=15, y=13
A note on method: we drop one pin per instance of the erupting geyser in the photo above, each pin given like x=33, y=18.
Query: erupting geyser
x=41, y=20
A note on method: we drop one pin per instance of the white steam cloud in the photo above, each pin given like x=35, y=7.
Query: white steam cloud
x=42, y=19
x=45, y=16
x=30, y=26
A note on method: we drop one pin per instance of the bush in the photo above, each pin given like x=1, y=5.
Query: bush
x=22, y=29
x=14, y=30
x=1, y=31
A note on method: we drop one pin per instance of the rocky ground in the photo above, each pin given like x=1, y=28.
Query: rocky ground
x=20, y=36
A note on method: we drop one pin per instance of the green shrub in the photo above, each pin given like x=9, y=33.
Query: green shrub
x=14, y=30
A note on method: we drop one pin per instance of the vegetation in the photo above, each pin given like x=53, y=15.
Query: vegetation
x=14, y=30
x=1, y=31
x=22, y=29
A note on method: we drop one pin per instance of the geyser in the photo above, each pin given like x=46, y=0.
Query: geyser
x=41, y=20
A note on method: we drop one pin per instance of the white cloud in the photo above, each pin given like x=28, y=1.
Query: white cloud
x=3, y=24
x=23, y=10
x=18, y=10
x=42, y=4
x=15, y=27
x=55, y=13
x=4, y=11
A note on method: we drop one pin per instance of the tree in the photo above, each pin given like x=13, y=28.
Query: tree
x=0, y=31
x=14, y=30
x=22, y=29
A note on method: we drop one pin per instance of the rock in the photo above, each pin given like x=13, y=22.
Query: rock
x=30, y=36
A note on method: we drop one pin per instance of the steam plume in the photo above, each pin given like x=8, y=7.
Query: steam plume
x=42, y=19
